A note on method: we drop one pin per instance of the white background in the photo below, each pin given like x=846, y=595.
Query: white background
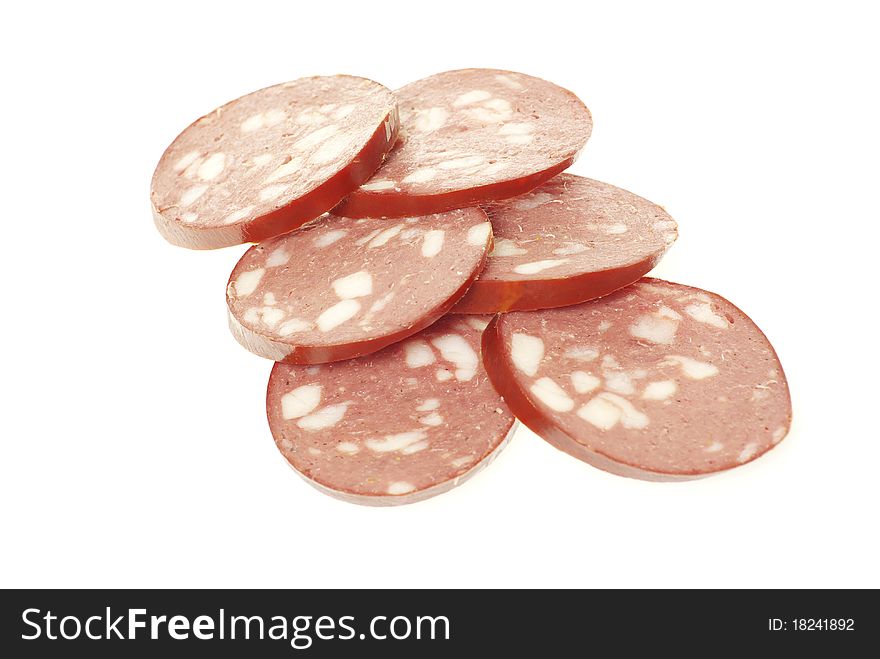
x=135, y=450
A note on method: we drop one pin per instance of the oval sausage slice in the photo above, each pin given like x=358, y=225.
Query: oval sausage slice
x=399, y=426
x=656, y=381
x=267, y=162
x=570, y=240
x=471, y=136
x=340, y=288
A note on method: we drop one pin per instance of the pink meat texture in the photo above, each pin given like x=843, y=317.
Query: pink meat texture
x=471, y=136
x=657, y=381
x=425, y=273
x=340, y=288
x=399, y=426
x=571, y=240
x=267, y=162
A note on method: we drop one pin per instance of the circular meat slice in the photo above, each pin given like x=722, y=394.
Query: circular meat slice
x=405, y=424
x=657, y=381
x=471, y=136
x=340, y=288
x=267, y=162
x=571, y=240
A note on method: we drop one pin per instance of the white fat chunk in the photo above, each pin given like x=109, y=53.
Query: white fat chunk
x=551, y=394
x=422, y=175
x=703, y=313
x=432, y=244
x=570, y=248
x=314, y=138
x=379, y=184
x=272, y=316
x=400, y=487
x=655, y=329
x=693, y=368
x=460, y=462
x=443, y=375
x=339, y=313
x=418, y=354
x=283, y=171
x=271, y=192
x=278, y=257
x=507, y=247
x=293, y=326
x=630, y=417
x=186, y=161
x=252, y=123
x=326, y=417
x=508, y=82
x=212, y=167
x=533, y=201
x=384, y=236
x=464, y=162
x=526, y=351
x=535, y=267
x=478, y=234
x=619, y=382
x=330, y=150
x=455, y=349
x=428, y=120
x=748, y=452
x=433, y=419
x=660, y=390
x=429, y=405
x=192, y=194
x=381, y=303
x=584, y=382
x=363, y=240
x=471, y=97
x=328, y=238
x=247, y=282
x=599, y=412
x=516, y=128
x=667, y=312
x=395, y=442
x=581, y=353
x=240, y=214
x=301, y=401
x=357, y=284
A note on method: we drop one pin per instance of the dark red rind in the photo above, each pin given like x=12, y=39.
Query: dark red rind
x=381, y=204
x=494, y=296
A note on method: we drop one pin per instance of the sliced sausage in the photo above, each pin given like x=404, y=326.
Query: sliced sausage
x=571, y=240
x=470, y=136
x=399, y=426
x=340, y=288
x=656, y=381
x=267, y=162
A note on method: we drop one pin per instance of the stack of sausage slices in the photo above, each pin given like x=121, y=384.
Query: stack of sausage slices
x=424, y=274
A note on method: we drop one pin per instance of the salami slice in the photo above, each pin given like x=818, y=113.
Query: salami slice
x=470, y=136
x=399, y=426
x=657, y=381
x=571, y=240
x=340, y=288
x=267, y=162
